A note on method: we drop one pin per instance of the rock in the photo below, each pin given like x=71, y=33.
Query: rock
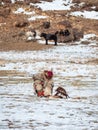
x=5, y=11
x=46, y=25
x=21, y=24
x=65, y=25
x=78, y=33
x=66, y=38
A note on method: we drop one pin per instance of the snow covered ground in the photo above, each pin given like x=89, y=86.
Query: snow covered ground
x=86, y=14
x=55, y=5
x=58, y=5
x=74, y=70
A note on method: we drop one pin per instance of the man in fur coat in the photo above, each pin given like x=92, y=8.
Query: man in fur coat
x=43, y=83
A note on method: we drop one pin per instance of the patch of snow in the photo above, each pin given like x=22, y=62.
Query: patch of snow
x=55, y=5
x=21, y=10
x=13, y=1
x=86, y=14
x=2, y=3
x=87, y=36
x=2, y=24
x=36, y=17
x=94, y=7
x=81, y=4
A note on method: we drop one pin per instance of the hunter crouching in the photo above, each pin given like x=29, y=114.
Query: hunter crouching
x=43, y=83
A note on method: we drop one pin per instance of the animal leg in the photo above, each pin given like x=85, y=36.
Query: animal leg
x=56, y=94
x=55, y=42
x=46, y=42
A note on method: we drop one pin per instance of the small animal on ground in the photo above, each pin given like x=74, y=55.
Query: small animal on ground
x=50, y=37
x=61, y=92
x=30, y=35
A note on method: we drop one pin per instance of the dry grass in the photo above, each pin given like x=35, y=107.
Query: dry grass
x=23, y=46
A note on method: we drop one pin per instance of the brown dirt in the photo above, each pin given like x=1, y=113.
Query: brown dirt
x=23, y=46
x=9, y=34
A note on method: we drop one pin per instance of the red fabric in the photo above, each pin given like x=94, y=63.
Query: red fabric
x=50, y=73
x=40, y=93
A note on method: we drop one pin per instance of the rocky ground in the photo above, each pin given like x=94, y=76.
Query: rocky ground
x=13, y=26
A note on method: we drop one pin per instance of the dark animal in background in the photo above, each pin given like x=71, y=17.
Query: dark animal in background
x=61, y=92
x=64, y=32
x=50, y=37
